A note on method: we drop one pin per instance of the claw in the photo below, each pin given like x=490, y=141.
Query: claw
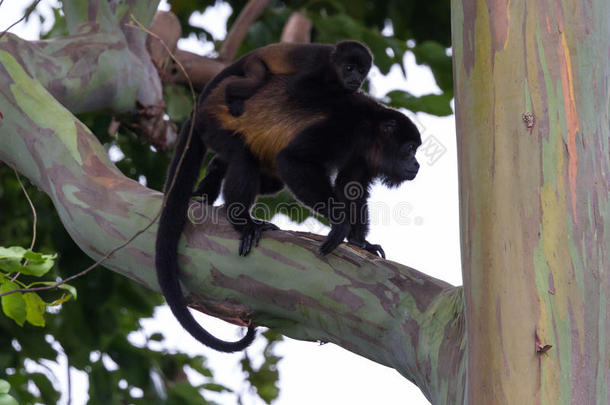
x=337, y=233
x=252, y=235
x=377, y=250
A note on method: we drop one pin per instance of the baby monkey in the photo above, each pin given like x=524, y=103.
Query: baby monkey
x=315, y=69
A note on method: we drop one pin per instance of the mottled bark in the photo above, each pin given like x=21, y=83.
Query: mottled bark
x=102, y=66
x=382, y=310
x=532, y=104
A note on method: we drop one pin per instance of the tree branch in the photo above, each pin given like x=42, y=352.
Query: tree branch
x=297, y=29
x=167, y=27
x=240, y=27
x=382, y=310
x=99, y=71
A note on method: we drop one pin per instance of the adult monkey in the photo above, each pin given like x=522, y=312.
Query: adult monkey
x=282, y=139
x=188, y=157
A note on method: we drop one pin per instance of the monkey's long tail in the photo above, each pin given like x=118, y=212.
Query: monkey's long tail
x=171, y=223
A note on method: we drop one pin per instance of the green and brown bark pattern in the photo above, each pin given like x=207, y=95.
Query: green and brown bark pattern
x=532, y=102
x=382, y=310
x=102, y=66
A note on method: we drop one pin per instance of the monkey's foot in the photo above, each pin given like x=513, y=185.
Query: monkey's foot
x=377, y=250
x=251, y=234
x=337, y=233
x=236, y=106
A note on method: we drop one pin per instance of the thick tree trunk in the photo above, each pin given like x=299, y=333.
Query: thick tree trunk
x=532, y=104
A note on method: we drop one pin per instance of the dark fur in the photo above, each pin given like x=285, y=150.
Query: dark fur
x=343, y=131
x=314, y=68
x=353, y=134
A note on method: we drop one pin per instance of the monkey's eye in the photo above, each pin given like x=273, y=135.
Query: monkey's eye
x=389, y=127
x=349, y=68
x=409, y=149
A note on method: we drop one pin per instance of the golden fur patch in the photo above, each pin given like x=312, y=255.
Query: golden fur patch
x=270, y=120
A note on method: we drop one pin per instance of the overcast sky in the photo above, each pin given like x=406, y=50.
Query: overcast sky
x=417, y=226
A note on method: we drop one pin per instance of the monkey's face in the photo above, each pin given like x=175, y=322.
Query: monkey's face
x=352, y=62
x=400, y=139
x=352, y=75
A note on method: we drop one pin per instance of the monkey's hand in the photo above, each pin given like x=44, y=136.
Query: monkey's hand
x=252, y=234
x=337, y=233
x=377, y=250
x=236, y=106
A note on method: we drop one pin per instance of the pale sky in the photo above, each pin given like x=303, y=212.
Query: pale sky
x=418, y=227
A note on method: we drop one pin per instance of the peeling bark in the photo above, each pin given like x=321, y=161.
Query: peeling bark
x=532, y=85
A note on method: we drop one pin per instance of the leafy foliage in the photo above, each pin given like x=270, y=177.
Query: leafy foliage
x=5, y=398
x=16, y=262
x=264, y=378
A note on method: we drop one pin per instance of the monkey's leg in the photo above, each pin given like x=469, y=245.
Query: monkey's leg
x=240, y=89
x=242, y=184
x=352, y=187
x=270, y=185
x=303, y=166
x=209, y=187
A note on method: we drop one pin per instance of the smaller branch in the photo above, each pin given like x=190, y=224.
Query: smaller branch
x=240, y=27
x=27, y=196
x=168, y=31
x=297, y=29
x=88, y=269
x=199, y=69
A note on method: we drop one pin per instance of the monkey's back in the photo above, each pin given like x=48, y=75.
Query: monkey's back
x=270, y=119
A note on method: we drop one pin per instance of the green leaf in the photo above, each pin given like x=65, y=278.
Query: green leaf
x=10, y=258
x=14, y=252
x=66, y=287
x=4, y=386
x=157, y=337
x=13, y=305
x=434, y=55
x=197, y=363
x=6, y=399
x=33, y=256
x=35, y=308
x=38, y=266
x=71, y=289
x=60, y=300
x=435, y=104
x=215, y=387
x=184, y=393
x=47, y=392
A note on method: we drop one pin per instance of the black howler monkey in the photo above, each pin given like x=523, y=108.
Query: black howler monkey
x=280, y=138
x=313, y=68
